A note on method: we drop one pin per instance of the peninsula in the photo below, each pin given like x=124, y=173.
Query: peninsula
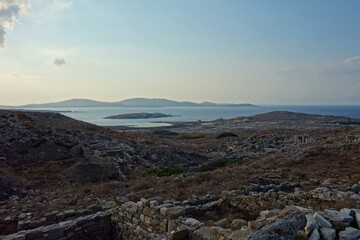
x=138, y=116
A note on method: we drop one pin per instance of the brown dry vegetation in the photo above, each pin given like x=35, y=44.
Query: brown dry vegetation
x=334, y=154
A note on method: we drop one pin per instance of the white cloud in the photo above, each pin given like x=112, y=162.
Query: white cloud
x=352, y=61
x=57, y=56
x=59, y=62
x=62, y=5
x=10, y=11
x=2, y=36
x=348, y=66
x=49, y=10
x=344, y=67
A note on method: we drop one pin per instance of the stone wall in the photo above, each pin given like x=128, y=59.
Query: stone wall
x=26, y=221
x=95, y=226
x=146, y=219
x=255, y=202
x=238, y=215
x=8, y=225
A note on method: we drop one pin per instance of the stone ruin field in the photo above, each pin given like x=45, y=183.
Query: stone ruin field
x=278, y=175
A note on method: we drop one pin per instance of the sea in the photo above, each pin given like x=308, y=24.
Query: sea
x=180, y=114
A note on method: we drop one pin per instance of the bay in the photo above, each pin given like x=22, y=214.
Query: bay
x=97, y=115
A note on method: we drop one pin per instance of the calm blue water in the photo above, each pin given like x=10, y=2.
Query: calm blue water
x=96, y=115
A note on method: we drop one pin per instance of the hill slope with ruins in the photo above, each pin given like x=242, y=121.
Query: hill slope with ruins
x=240, y=178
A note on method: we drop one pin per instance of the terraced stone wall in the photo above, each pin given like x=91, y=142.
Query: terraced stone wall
x=95, y=226
x=145, y=219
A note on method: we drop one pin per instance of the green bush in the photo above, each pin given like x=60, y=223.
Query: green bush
x=165, y=133
x=192, y=135
x=213, y=166
x=162, y=172
x=226, y=134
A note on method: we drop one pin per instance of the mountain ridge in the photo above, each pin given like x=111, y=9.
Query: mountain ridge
x=131, y=102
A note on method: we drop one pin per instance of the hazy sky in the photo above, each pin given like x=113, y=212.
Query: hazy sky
x=262, y=52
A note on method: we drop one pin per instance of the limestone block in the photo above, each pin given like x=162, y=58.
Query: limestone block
x=322, y=221
x=350, y=233
x=237, y=224
x=328, y=233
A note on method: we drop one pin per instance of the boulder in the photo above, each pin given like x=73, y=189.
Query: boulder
x=69, y=213
x=237, y=224
x=56, y=232
x=257, y=224
x=357, y=217
x=180, y=235
x=192, y=222
x=224, y=233
x=328, y=233
x=206, y=233
x=176, y=211
x=322, y=221
x=355, y=188
x=348, y=211
x=339, y=216
x=311, y=224
x=315, y=235
x=350, y=233
x=51, y=217
x=282, y=228
x=34, y=234
x=222, y=222
x=130, y=207
x=210, y=205
x=240, y=234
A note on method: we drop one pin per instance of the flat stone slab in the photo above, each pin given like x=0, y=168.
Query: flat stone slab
x=322, y=221
x=206, y=233
x=176, y=211
x=56, y=232
x=282, y=228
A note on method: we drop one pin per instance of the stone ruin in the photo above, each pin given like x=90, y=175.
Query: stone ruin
x=259, y=212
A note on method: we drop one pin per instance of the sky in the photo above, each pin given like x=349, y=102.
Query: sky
x=235, y=51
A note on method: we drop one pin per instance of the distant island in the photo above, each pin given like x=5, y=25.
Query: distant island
x=132, y=102
x=138, y=116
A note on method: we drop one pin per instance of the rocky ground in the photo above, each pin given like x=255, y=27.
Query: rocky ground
x=49, y=162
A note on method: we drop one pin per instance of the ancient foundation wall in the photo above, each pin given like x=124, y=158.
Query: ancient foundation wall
x=95, y=226
x=146, y=219
x=157, y=219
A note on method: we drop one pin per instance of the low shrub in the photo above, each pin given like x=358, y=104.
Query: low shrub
x=226, y=134
x=162, y=172
x=191, y=135
x=164, y=133
x=213, y=166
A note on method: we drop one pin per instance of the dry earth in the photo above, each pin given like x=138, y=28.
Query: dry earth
x=49, y=161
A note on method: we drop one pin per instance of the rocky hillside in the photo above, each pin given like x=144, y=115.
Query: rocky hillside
x=46, y=147
x=49, y=162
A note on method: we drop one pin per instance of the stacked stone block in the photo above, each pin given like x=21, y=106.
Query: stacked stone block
x=95, y=226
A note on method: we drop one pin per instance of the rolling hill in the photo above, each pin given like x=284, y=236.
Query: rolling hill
x=132, y=102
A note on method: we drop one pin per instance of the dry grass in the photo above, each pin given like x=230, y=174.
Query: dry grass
x=325, y=160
